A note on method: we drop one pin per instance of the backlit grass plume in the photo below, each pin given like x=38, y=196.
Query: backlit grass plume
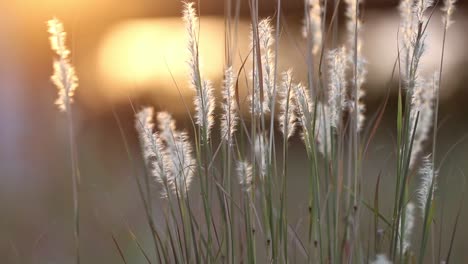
x=413, y=17
x=323, y=128
x=204, y=99
x=408, y=23
x=191, y=26
x=313, y=24
x=353, y=22
x=244, y=173
x=153, y=150
x=260, y=150
x=406, y=228
x=229, y=116
x=428, y=185
x=356, y=58
x=263, y=73
x=265, y=32
x=449, y=8
x=287, y=106
x=337, y=85
x=167, y=152
x=381, y=259
x=64, y=77
x=66, y=81
x=422, y=109
x=305, y=112
x=421, y=7
x=204, y=108
x=179, y=152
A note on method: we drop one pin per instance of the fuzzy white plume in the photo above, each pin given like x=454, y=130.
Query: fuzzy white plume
x=167, y=128
x=313, y=24
x=381, y=259
x=204, y=108
x=422, y=108
x=144, y=126
x=413, y=16
x=448, y=8
x=64, y=76
x=265, y=44
x=57, y=38
x=182, y=164
x=408, y=22
x=265, y=31
x=191, y=26
x=352, y=22
x=204, y=99
x=244, y=172
x=337, y=85
x=428, y=184
x=407, y=229
x=422, y=94
x=323, y=129
x=305, y=112
x=361, y=107
x=357, y=60
x=287, y=106
x=421, y=7
x=179, y=151
x=229, y=117
x=153, y=149
x=261, y=155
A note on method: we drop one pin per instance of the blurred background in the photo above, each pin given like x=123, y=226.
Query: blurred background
x=134, y=51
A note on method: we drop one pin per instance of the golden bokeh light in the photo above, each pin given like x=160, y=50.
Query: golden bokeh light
x=145, y=53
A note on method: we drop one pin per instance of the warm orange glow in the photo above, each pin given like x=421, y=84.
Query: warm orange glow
x=144, y=53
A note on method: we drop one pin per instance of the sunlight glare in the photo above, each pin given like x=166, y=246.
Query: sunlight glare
x=143, y=53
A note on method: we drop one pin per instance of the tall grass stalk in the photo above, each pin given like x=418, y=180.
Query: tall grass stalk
x=66, y=81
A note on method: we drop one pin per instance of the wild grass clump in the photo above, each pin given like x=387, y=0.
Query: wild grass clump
x=241, y=177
